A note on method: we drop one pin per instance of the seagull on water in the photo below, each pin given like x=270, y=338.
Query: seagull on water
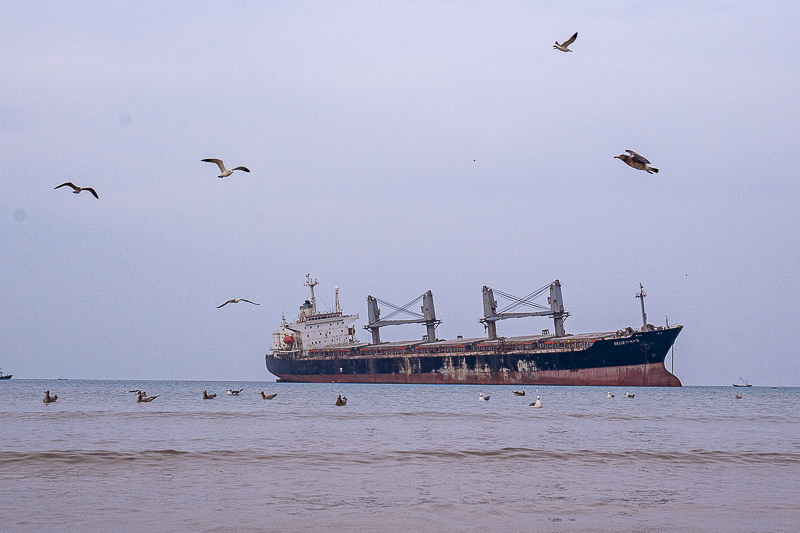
x=537, y=403
x=482, y=398
x=564, y=47
x=636, y=161
x=609, y=395
x=236, y=301
x=234, y=392
x=224, y=171
x=629, y=395
x=519, y=393
x=267, y=396
x=143, y=397
x=48, y=398
x=77, y=189
x=207, y=396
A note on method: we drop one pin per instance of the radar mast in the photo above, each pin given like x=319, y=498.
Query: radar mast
x=311, y=283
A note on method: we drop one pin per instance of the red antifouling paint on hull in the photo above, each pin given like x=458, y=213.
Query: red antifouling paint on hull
x=648, y=375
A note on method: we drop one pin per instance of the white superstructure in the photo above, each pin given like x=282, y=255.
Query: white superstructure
x=314, y=330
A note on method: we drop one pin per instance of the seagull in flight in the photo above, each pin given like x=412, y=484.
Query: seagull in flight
x=225, y=172
x=77, y=189
x=236, y=301
x=564, y=47
x=639, y=162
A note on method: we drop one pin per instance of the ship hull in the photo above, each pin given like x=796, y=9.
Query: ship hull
x=637, y=360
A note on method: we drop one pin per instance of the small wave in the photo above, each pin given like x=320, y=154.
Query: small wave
x=85, y=456
x=596, y=456
x=587, y=456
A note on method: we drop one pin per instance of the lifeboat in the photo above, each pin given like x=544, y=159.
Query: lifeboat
x=288, y=339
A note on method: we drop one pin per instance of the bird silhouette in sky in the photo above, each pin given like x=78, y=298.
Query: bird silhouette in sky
x=636, y=161
x=236, y=301
x=225, y=172
x=564, y=47
x=77, y=189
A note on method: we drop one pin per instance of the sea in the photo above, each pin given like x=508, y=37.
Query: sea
x=396, y=458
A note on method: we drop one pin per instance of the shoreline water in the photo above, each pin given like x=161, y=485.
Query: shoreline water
x=421, y=457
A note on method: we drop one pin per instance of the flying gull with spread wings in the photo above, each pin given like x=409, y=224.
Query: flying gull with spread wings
x=77, y=189
x=236, y=301
x=225, y=172
x=636, y=161
x=564, y=47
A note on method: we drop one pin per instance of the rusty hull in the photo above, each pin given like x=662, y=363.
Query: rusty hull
x=636, y=359
x=646, y=375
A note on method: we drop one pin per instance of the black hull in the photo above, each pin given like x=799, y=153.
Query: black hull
x=635, y=360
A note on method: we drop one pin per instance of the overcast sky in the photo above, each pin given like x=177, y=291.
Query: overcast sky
x=395, y=147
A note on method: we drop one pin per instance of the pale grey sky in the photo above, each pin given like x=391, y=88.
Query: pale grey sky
x=395, y=147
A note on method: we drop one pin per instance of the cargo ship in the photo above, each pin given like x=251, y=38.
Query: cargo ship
x=321, y=347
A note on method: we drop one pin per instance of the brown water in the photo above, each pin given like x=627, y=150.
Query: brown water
x=396, y=458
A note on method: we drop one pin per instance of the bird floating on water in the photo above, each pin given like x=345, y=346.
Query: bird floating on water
x=636, y=161
x=519, y=393
x=224, y=171
x=143, y=397
x=77, y=190
x=234, y=392
x=564, y=47
x=609, y=395
x=341, y=400
x=629, y=395
x=737, y=396
x=207, y=396
x=537, y=403
x=236, y=301
x=268, y=396
x=48, y=398
x=482, y=398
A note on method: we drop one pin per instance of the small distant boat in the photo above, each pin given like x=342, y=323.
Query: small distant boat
x=744, y=383
x=5, y=376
